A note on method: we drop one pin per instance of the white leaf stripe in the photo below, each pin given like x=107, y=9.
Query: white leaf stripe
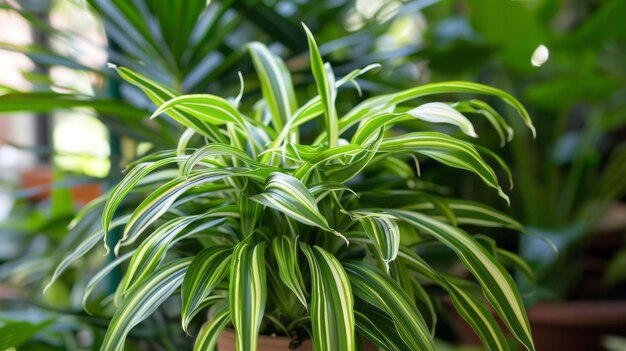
x=332, y=303
x=207, y=270
x=207, y=339
x=383, y=230
x=378, y=289
x=275, y=84
x=247, y=293
x=497, y=284
x=285, y=251
x=288, y=195
x=143, y=301
x=468, y=307
x=81, y=249
x=164, y=197
x=153, y=248
x=447, y=150
x=325, y=81
x=438, y=112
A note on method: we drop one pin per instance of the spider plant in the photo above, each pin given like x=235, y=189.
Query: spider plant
x=311, y=240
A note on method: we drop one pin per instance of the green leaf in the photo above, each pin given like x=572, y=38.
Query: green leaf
x=102, y=273
x=205, y=107
x=438, y=112
x=210, y=332
x=81, y=249
x=207, y=270
x=383, y=230
x=165, y=196
x=497, y=284
x=447, y=150
x=374, y=331
x=469, y=308
x=380, y=290
x=142, y=301
x=159, y=94
x=276, y=84
x=288, y=195
x=463, y=87
x=325, y=81
x=494, y=118
x=247, y=293
x=216, y=150
x=286, y=254
x=479, y=318
x=124, y=187
x=332, y=303
x=154, y=247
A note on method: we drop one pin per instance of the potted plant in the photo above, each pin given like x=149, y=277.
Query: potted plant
x=304, y=241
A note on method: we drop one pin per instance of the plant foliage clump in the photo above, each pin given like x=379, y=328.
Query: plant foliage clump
x=307, y=240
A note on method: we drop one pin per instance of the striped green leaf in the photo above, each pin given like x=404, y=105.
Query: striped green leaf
x=286, y=254
x=123, y=188
x=81, y=249
x=216, y=150
x=332, y=303
x=380, y=290
x=504, y=130
x=164, y=197
x=373, y=331
x=469, y=307
x=142, y=301
x=98, y=277
x=383, y=230
x=447, y=150
x=207, y=270
x=437, y=112
x=276, y=84
x=247, y=293
x=497, y=284
x=205, y=107
x=288, y=195
x=154, y=247
x=210, y=332
x=325, y=81
x=463, y=87
x=159, y=94
x=478, y=317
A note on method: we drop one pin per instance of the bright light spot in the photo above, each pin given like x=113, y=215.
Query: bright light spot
x=368, y=8
x=540, y=56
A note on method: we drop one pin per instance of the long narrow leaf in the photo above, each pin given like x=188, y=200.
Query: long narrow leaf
x=247, y=293
x=378, y=289
x=332, y=305
x=497, y=284
x=207, y=270
x=143, y=301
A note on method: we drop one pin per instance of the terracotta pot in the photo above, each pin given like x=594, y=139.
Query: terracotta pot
x=227, y=340
x=572, y=326
x=40, y=179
